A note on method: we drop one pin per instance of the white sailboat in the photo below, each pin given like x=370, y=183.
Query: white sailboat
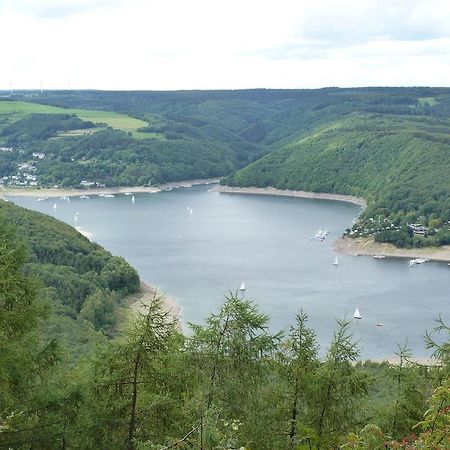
x=132, y=199
x=356, y=314
x=336, y=262
x=242, y=288
x=54, y=206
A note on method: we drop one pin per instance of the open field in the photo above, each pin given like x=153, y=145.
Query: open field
x=427, y=101
x=17, y=110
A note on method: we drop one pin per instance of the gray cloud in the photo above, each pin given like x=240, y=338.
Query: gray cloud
x=351, y=27
x=320, y=30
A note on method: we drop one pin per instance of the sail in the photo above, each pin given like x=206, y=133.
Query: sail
x=357, y=315
x=242, y=288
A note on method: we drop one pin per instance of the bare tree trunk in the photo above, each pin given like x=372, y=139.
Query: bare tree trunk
x=293, y=431
x=133, y=401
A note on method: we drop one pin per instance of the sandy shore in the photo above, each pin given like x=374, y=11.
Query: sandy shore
x=368, y=247
x=146, y=296
x=288, y=193
x=85, y=233
x=53, y=192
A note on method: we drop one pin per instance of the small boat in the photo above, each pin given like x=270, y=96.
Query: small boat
x=379, y=256
x=379, y=324
x=41, y=199
x=335, y=262
x=242, y=288
x=413, y=262
x=84, y=197
x=128, y=193
x=356, y=314
x=320, y=236
x=108, y=195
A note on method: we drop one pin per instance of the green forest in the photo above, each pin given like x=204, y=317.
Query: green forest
x=75, y=376
x=388, y=145
x=80, y=278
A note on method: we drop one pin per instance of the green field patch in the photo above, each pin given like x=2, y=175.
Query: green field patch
x=427, y=101
x=16, y=110
x=112, y=119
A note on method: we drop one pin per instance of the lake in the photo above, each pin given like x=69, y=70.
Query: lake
x=199, y=257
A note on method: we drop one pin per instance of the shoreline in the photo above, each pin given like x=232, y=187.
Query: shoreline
x=146, y=296
x=72, y=192
x=290, y=193
x=368, y=247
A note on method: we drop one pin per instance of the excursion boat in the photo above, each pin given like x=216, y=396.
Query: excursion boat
x=413, y=262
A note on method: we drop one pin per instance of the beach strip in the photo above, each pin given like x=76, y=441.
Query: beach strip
x=366, y=246
x=290, y=193
x=147, y=294
x=71, y=192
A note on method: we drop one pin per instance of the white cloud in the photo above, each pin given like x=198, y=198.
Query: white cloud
x=178, y=44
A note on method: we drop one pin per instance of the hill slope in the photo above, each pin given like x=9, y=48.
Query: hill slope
x=80, y=278
x=399, y=164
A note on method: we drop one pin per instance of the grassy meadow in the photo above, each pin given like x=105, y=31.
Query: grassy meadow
x=11, y=111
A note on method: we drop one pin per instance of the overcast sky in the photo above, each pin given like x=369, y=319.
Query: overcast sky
x=230, y=44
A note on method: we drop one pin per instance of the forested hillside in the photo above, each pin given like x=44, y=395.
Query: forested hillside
x=80, y=278
x=399, y=164
x=390, y=145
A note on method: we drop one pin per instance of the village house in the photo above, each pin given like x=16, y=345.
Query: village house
x=417, y=228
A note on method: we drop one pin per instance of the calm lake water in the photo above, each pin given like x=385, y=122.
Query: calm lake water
x=199, y=258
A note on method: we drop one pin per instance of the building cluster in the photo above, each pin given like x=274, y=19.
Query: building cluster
x=25, y=175
x=368, y=226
